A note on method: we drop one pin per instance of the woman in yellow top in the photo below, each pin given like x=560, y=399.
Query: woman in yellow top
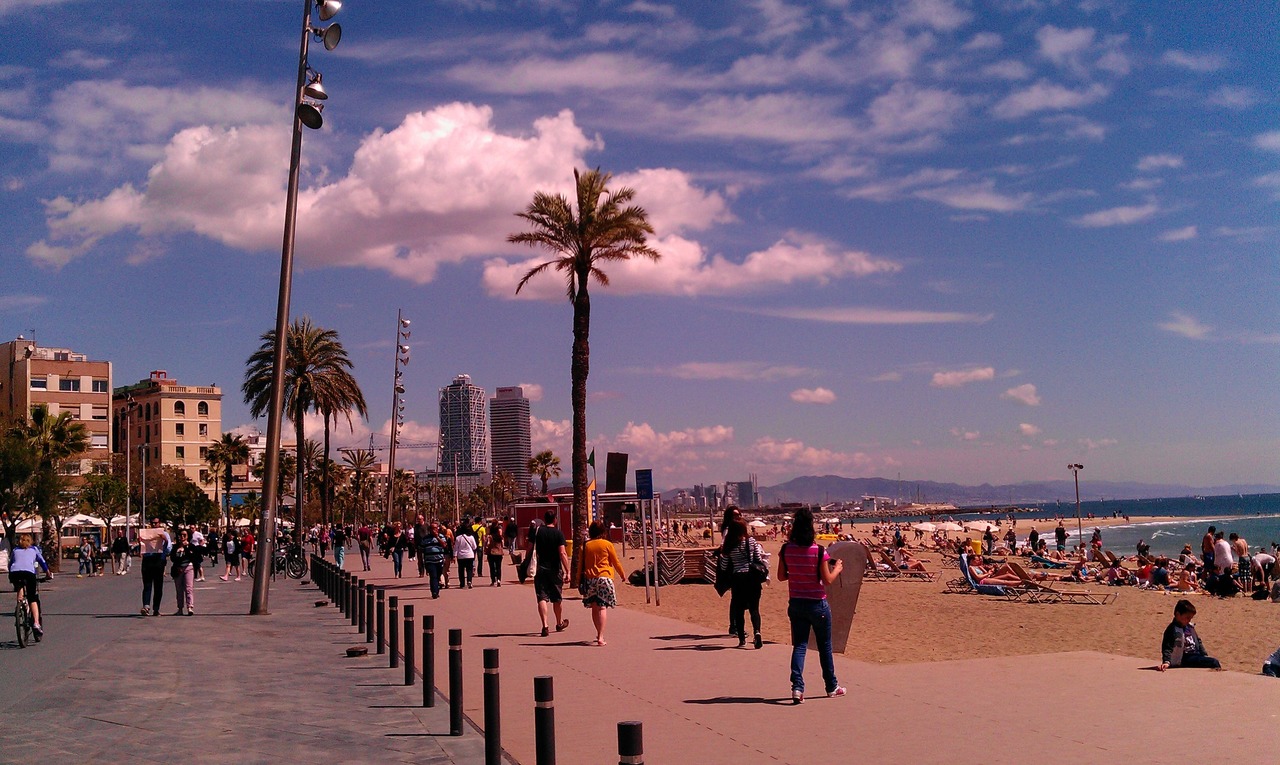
x=600, y=564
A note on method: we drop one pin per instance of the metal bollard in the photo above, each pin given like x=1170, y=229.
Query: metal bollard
x=353, y=598
x=360, y=598
x=544, y=721
x=393, y=640
x=408, y=644
x=342, y=592
x=630, y=743
x=428, y=660
x=368, y=613
x=492, y=710
x=382, y=620
x=455, y=682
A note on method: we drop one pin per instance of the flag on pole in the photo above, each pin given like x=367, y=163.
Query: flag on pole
x=591, y=460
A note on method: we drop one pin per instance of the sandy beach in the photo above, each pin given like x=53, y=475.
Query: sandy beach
x=914, y=621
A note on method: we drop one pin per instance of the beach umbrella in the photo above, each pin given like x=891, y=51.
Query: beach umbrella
x=979, y=526
x=950, y=526
x=924, y=526
x=758, y=523
x=831, y=520
x=80, y=519
x=28, y=526
x=119, y=520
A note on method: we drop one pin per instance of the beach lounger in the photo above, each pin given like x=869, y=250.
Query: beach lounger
x=1040, y=560
x=993, y=590
x=906, y=573
x=1046, y=594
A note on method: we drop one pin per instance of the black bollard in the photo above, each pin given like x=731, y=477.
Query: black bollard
x=368, y=613
x=360, y=598
x=393, y=640
x=342, y=593
x=428, y=660
x=544, y=721
x=382, y=620
x=353, y=598
x=492, y=710
x=455, y=682
x=630, y=743
x=408, y=644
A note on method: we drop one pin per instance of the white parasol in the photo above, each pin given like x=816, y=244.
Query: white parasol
x=924, y=526
x=950, y=526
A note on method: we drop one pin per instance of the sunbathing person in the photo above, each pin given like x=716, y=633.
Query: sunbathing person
x=999, y=575
x=1186, y=581
x=905, y=561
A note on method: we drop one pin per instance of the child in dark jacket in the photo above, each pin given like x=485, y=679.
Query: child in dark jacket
x=1181, y=646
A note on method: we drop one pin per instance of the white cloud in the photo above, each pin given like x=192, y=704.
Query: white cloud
x=966, y=435
x=1187, y=326
x=1027, y=429
x=977, y=196
x=888, y=377
x=21, y=302
x=674, y=204
x=532, y=391
x=1235, y=97
x=1009, y=69
x=686, y=269
x=1195, y=62
x=984, y=41
x=1269, y=141
x=1023, y=394
x=1179, y=234
x=1046, y=96
x=793, y=453
x=1064, y=46
x=1158, y=162
x=957, y=378
x=1102, y=443
x=941, y=15
x=1117, y=216
x=859, y=315
x=813, y=396
x=744, y=371
x=643, y=437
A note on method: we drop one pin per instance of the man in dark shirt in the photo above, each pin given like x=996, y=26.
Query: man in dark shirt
x=552, y=572
x=1060, y=537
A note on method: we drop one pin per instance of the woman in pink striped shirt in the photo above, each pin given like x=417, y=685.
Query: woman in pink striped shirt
x=806, y=568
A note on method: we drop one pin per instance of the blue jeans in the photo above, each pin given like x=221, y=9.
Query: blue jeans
x=434, y=570
x=397, y=560
x=806, y=614
x=339, y=555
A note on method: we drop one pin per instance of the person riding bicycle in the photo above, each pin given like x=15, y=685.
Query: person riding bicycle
x=22, y=575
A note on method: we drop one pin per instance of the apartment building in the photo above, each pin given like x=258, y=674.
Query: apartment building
x=170, y=424
x=64, y=381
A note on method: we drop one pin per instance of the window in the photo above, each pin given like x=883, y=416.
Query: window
x=204, y=452
x=180, y=452
x=69, y=384
x=99, y=413
x=204, y=476
x=204, y=430
x=147, y=411
x=202, y=408
x=100, y=386
x=155, y=453
x=39, y=383
x=179, y=409
x=180, y=430
x=98, y=441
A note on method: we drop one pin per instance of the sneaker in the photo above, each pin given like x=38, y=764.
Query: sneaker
x=839, y=691
x=36, y=628
x=223, y=578
x=797, y=697
x=759, y=641
x=562, y=626
x=146, y=610
x=179, y=612
x=191, y=612
x=546, y=631
x=237, y=578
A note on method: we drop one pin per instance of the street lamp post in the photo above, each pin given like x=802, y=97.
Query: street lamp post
x=1075, y=470
x=129, y=407
x=397, y=407
x=306, y=111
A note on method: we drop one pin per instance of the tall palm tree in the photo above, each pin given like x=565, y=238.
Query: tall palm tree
x=314, y=357
x=337, y=395
x=502, y=489
x=604, y=227
x=222, y=457
x=54, y=439
x=360, y=462
x=545, y=465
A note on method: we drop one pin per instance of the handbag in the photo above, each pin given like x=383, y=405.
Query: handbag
x=757, y=569
x=724, y=574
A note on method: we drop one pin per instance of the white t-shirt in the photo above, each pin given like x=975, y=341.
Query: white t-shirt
x=1262, y=560
x=197, y=539
x=464, y=546
x=1222, y=557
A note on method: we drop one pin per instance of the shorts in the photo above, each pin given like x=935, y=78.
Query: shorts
x=27, y=581
x=547, y=584
x=600, y=592
x=233, y=560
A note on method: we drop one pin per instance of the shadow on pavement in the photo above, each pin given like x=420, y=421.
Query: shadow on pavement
x=740, y=700
x=696, y=647
x=686, y=637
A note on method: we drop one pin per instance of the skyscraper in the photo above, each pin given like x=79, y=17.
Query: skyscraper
x=509, y=435
x=464, y=432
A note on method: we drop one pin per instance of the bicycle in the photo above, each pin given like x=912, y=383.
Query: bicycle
x=289, y=561
x=23, y=622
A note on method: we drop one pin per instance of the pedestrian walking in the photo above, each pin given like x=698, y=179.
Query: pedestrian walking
x=465, y=546
x=231, y=546
x=600, y=565
x=246, y=553
x=552, y=572
x=495, y=545
x=398, y=543
x=197, y=553
x=120, y=555
x=156, y=544
x=806, y=568
x=86, y=557
x=183, y=556
x=431, y=554
x=339, y=539
x=364, y=538
x=741, y=550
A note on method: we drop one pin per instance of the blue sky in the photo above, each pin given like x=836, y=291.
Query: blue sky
x=946, y=240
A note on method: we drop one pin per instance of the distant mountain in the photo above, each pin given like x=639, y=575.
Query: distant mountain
x=834, y=488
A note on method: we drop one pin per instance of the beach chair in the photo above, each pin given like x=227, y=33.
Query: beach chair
x=905, y=573
x=1040, y=560
x=1043, y=593
x=874, y=571
x=993, y=590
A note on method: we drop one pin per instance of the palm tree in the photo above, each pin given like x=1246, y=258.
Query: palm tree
x=314, y=358
x=545, y=465
x=502, y=489
x=604, y=227
x=54, y=440
x=222, y=457
x=337, y=394
x=360, y=462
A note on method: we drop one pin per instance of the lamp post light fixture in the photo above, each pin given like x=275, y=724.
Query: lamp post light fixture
x=129, y=408
x=1075, y=470
x=306, y=111
x=397, y=407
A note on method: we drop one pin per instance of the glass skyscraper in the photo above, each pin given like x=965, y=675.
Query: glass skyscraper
x=509, y=435
x=464, y=431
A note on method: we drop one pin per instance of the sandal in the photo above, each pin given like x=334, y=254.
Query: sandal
x=562, y=626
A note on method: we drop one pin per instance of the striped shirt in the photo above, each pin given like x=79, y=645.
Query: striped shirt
x=802, y=571
x=742, y=553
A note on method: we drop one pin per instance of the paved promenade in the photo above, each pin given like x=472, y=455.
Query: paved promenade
x=107, y=685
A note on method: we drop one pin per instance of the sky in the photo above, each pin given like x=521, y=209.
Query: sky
x=941, y=240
